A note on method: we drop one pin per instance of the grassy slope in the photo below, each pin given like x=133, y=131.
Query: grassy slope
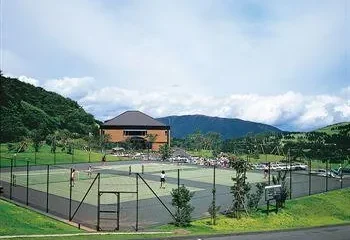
x=322, y=209
x=328, y=129
x=299, y=213
x=44, y=156
x=18, y=220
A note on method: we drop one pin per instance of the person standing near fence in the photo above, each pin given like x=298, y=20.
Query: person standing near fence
x=89, y=171
x=266, y=171
x=72, y=178
x=104, y=160
x=162, y=179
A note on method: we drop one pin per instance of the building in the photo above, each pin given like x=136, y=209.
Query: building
x=137, y=126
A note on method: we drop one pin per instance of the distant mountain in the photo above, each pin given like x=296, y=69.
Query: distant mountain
x=26, y=109
x=181, y=126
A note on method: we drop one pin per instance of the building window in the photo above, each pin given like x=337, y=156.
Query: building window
x=134, y=133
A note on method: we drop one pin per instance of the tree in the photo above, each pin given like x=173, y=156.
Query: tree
x=253, y=199
x=240, y=189
x=181, y=198
x=213, y=209
x=165, y=151
x=281, y=179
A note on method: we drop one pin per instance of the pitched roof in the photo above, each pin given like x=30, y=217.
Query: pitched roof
x=133, y=118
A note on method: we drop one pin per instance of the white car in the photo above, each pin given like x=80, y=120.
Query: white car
x=299, y=166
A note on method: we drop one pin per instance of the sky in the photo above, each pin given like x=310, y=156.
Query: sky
x=279, y=62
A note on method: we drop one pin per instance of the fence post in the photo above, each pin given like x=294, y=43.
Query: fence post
x=310, y=176
x=11, y=178
x=137, y=202
x=118, y=210
x=178, y=190
x=98, y=202
x=341, y=174
x=70, y=194
x=327, y=175
x=290, y=174
x=214, y=198
x=47, y=187
x=27, y=191
x=269, y=181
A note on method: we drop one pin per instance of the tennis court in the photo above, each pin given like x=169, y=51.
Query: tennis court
x=139, y=195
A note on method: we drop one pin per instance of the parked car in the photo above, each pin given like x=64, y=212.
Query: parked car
x=324, y=173
x=299, y=166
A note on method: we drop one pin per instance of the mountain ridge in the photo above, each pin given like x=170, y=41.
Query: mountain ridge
x=183, y=125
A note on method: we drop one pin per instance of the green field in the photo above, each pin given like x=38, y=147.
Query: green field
x=298, y=213
x=317, y=210
x=17, y=220
x=44, y=156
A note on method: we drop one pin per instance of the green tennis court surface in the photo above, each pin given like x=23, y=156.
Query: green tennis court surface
x=59, y=183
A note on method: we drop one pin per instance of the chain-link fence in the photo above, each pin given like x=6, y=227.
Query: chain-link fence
x=129, y=196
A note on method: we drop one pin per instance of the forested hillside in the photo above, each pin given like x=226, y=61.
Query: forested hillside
x=228, y=128
x=29, y=111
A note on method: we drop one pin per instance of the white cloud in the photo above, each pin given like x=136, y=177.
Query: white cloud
x=71, y=87
x=32, y=81
x=207, y=47
x=25, y=79
x=290, y=109
x=283, y=63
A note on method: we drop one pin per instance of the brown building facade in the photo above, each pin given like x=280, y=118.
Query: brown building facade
x=135, y=125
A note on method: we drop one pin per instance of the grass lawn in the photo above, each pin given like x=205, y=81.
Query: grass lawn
x=298, y=213
x=16, y=220
x=44, y=156
x=317, y=210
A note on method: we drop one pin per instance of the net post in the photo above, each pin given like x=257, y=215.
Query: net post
x=47, y=187
x=143, y=169
x=137, y=202
x=27, y=189
x=130, y=170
